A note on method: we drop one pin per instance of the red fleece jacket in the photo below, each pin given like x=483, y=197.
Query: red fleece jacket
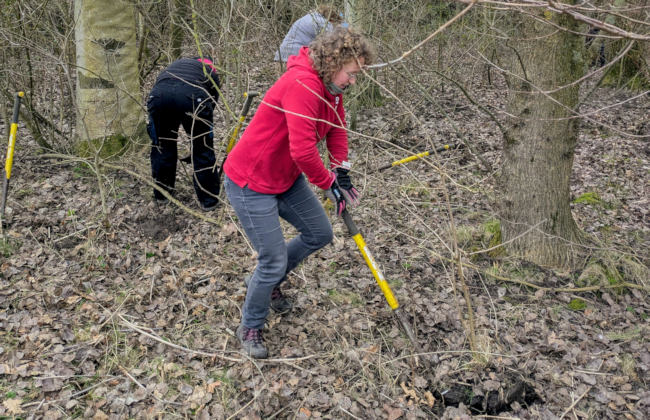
x=281, y=141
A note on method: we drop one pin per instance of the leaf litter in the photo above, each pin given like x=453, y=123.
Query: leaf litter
x=68, y=283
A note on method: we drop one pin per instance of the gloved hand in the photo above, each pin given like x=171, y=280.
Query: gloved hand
x=342, y=192
x=335, y=194
x=350, y=193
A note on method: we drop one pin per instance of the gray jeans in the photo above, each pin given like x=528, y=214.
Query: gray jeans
x=260, y=215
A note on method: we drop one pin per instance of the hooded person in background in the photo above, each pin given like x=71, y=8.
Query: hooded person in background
x=264, y=172
x=306, y=29
x=185, y=93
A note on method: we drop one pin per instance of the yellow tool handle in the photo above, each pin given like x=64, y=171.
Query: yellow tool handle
x=13, y=129
x=10, y=149
x=242, y=117
x=233, y=137
x=418, y=156
x=381, y=281
x=410, y=158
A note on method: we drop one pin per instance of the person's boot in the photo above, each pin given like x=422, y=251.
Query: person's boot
x=252, y=342
x=279, y=302
x=208, y=207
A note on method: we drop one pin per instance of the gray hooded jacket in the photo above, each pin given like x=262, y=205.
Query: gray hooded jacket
x=302, y=32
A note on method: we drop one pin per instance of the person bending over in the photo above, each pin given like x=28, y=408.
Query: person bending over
x=185, y=93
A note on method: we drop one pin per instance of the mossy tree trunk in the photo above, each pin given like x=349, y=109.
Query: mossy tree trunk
x=539, y=145
x=108, y=84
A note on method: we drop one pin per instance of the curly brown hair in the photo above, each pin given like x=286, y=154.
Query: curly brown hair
x=331, y=50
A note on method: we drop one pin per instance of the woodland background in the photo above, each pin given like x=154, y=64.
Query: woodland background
x=520, y=257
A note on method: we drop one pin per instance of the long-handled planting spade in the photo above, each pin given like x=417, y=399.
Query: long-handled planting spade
x=10, y=154
x=381, y=281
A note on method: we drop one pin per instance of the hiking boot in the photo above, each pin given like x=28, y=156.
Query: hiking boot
x=252, y=342
x=210, y=207
x=279, y=302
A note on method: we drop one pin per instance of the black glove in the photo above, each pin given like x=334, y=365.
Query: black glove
x=342, y=191
x=336, y=195
x=350, y=193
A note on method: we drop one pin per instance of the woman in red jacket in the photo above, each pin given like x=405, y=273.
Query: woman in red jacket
x=264, y=172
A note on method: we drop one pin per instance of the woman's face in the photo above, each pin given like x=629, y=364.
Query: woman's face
x=348, y=74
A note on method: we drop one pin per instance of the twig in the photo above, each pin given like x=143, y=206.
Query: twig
x=257, y=394
x=348, y=413
x=128, y=375
x=574, y=403
x=72, y=396
x=207, y=354
x=135, y=381
x=176, y=346
x=74, y=233
x=557, y=7
x=482, y=251
x=427, y=39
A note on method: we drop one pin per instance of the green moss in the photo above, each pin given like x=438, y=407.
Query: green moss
x=107, y=147
x=113, y=146
x=591, y=198
x=395, y=283
x=465, y=235
x=577, y=305
x=492, y=235
x=344, y=297
x=8, y=247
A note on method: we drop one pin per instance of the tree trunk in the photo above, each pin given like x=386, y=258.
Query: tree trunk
x=178, y=12
x=534, y=197
x=108, y=86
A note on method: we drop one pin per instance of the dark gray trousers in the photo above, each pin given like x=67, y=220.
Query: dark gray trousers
x=259, y=215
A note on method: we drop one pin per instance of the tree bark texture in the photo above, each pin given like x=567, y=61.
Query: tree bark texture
x=108, y=84
x=178, y=12
x=534, y=196
x=357, y=15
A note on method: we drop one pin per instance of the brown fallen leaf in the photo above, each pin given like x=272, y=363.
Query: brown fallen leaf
x=13, y=405
x=409, y=392
x=211, y=386
x=393, y=412
x=100, y=415
x=71, y=300
x=431, y=400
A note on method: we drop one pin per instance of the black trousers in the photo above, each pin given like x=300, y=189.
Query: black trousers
x=170, y=104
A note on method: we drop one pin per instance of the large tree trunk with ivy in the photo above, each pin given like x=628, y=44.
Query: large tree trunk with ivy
x=534, y=197
x=108, y=84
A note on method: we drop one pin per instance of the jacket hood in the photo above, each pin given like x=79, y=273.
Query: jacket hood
x=302, y=61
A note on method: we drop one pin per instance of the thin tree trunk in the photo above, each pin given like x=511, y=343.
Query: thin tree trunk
x=540, y=142
x=178, y=13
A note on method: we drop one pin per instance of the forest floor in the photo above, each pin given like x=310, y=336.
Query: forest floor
x=133, y=316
